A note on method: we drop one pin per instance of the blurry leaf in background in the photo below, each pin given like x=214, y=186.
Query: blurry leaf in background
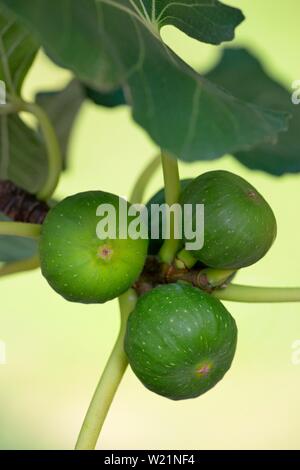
x=23, y=158
x=15, y=248
x=18, y=49
x=108, y=44
x=243, y=75
x=62, y=107
x=22, y=155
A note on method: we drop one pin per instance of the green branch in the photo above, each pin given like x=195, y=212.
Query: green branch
x=109, y=382
x=239, y=293
x=172, y=193
x=20, y=229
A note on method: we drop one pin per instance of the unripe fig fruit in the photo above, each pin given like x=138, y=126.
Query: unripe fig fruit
x=180, y=341
x=239, y=225
x=76, y=263
x=159, y=198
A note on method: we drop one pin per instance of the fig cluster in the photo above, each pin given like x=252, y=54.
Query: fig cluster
x=180, y=340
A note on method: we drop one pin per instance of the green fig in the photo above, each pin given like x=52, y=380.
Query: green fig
x=180, y=341
x=76, y=263
x=239, y=225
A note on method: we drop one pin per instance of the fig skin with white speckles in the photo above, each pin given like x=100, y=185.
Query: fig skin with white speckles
x=76, y=263
x=180, y=341
x=239, y=225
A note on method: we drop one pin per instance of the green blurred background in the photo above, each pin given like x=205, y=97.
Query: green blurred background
x=56, y=350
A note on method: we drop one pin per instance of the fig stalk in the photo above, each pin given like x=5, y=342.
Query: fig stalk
x=172, y=193
x=249, y=294
x=109, y=381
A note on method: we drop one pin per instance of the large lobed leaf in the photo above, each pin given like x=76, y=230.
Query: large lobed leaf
x=242, y=74
x=206, y=20
x=86, y=29
x=108, y=43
